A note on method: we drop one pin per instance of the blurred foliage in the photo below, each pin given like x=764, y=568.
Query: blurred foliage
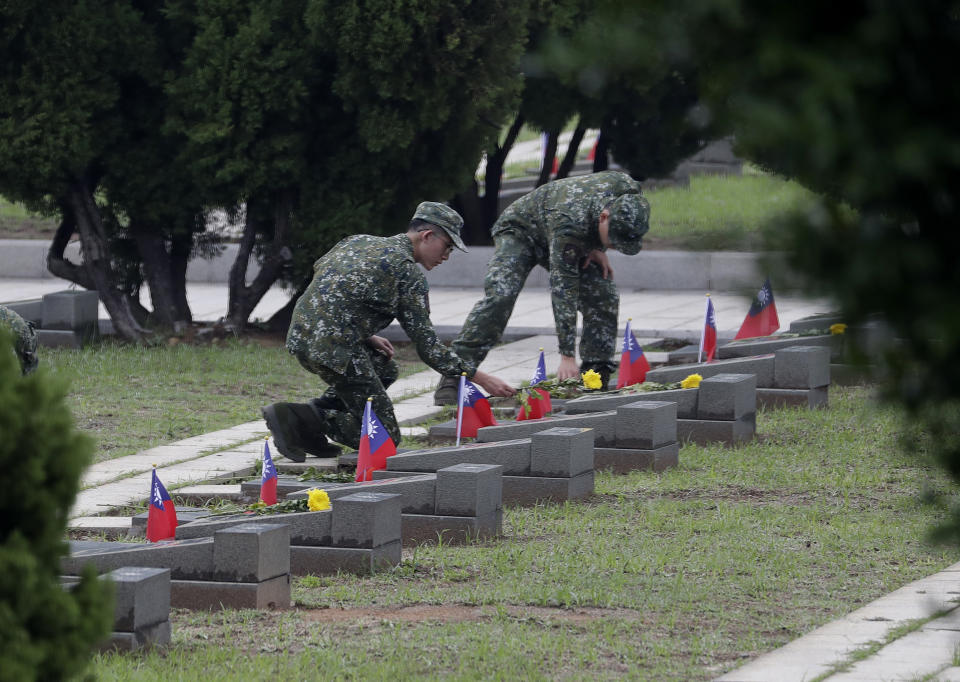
x=46, y=632
x=858, y=102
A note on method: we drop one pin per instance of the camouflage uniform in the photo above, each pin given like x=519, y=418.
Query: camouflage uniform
x=359, y=287
x=25, y=339
x=554, y=226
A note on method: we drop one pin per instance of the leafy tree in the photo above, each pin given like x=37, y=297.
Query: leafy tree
x=333, y=118
x=46, y=632
x=856, y=100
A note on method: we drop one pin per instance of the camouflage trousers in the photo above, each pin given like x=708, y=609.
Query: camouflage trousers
x=368, y=375
x=513, y=259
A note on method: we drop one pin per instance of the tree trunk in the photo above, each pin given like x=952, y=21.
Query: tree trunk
x=180, y=248
x=242, y=298
x=57, y=263
x=549, y=154
x=601, y=160
x=152, y=246
x=570, y=158
x=280, y=320
x=96, y=259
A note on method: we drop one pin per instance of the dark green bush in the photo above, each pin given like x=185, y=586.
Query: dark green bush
x=46, y=632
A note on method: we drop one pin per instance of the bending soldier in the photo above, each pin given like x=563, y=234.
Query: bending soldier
x=359, y=287
x=565, y=226
x=24, y=339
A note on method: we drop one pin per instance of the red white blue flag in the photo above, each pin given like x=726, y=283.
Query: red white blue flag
x=539, y=407
x=762, y=318
x=375, y=445
x=708, y=338
x=473, y=410
x=162, y=515
x=268, y=481
x=633, y=363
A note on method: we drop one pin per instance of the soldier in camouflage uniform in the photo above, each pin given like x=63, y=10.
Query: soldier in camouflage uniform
x=24, y=339
x=359, y=287
x=565, y=226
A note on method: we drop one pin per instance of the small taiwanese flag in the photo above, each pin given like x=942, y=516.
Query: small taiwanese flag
x=762, y=318
x=633, y=363
x=268, y=481
x=375, y=445
x=162, y=516
x=473, y=411
x=708, y=338
x=539, y=407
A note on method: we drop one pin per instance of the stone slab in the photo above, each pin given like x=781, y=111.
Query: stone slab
x=761, y=366
x=685, y=398
x=333, y=560
x=305, y=528
x=727, y=397
x=201, y=494
x=745, y=348
x=469, y=490
x=602, y=423
x=821, y=321
x=430, y=528
x=141, y=597
x=528, y=490
x=251, y=552
x=802, y=367
x=417, y=491
x=770, y=398
x=561, y=452
x=625, y=460
x=58, y=338
x=366, y=520
x=512, y=454
x=186, y=559
x=184, y=515
x=151, y=636
x=645, y=424
x=213, y=595
x=110, y=527
x=75, y=310
x=706, y=432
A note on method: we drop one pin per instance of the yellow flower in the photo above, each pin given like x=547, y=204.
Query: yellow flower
x=691, y=381
x=318, y=500
x=838, y=328
x=591, y=380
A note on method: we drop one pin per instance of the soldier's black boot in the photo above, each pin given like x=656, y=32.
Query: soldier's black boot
x=600, y=368
x=446, y=393
x=313, y=438
x=283, y=425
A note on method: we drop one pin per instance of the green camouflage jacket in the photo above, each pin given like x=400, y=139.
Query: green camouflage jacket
x=359, y=287
x=560, y=221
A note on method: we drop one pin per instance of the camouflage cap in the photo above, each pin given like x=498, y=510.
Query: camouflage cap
x=444, y=217
x=629, y=221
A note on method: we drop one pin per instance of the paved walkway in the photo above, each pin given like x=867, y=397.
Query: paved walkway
x=929, y=652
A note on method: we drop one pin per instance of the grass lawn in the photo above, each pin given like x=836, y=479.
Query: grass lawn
x=130, y=399
x=681, y=575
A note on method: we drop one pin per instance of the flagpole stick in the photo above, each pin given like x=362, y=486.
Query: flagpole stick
x=703, y=329
x=463, y=379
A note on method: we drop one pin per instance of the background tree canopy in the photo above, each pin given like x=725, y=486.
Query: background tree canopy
x=858, y=101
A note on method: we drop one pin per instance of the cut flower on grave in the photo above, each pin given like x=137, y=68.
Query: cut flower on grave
x=592, y=380
x=692, y=381
x=317, y=499
x=838, y=328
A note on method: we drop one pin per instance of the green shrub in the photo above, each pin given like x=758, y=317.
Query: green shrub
x=46, y=632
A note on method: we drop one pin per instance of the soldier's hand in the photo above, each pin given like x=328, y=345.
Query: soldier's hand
x=381, y=345
x=568, y=368
x=493, y=385
x=600, y=258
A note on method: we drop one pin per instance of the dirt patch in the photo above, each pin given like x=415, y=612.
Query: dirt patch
x=460, y=613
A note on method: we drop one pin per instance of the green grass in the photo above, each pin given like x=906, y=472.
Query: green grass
x=18, y=223
x=719, y=213
x=681, y=575
x=132, y=398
